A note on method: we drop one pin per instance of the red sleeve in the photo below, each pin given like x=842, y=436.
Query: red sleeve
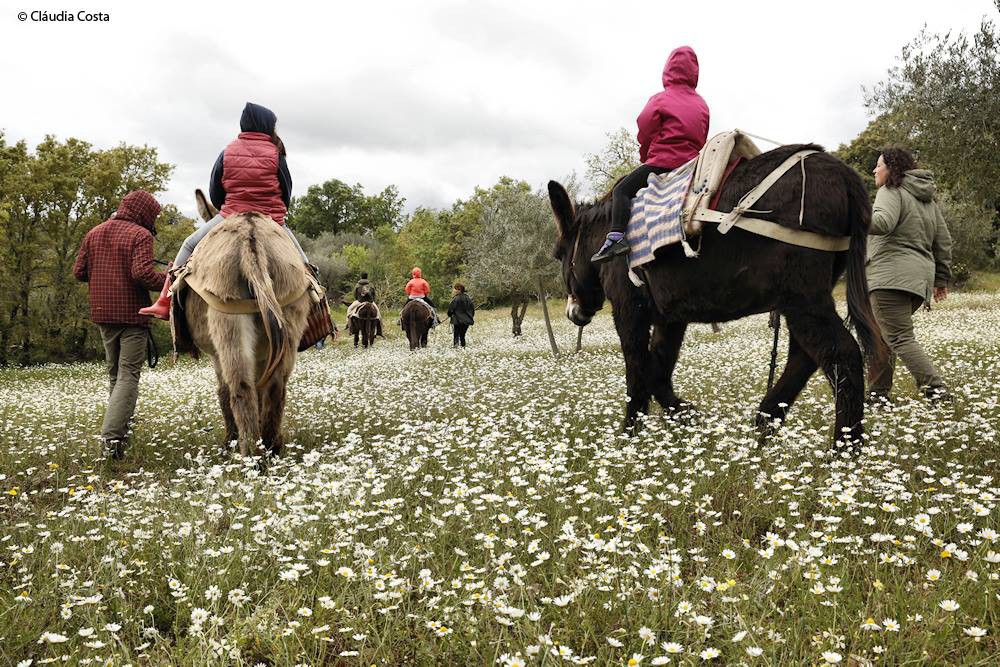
x=142, y=270
x=649, y=123
x=81, y=270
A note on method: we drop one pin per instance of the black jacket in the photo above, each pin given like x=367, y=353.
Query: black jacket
x=371, y=291
x=461, y=310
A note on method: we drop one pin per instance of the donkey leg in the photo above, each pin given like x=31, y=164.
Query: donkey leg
x=632, y=322
x=272, y=410
x=823, y=335
x=226, y=405
x=413, y=335
x=775, y=405
x=666, y=348
x=237, y=362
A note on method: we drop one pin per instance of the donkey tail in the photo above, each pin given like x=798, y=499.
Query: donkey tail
x=859, y=308
x=254, y=265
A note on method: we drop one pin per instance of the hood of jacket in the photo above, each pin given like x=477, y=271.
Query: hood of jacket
x=920, y=184
x=139, y=207
x=256, y=118
x=681, y=68
x=416, y=273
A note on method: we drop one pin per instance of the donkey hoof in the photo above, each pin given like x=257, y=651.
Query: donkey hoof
x=678, y=407
x=632, y=425
x=767, y=427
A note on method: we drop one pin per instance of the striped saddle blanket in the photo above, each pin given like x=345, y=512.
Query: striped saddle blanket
x=657, y=214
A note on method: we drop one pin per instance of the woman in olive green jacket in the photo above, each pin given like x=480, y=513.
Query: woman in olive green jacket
x=909, y=263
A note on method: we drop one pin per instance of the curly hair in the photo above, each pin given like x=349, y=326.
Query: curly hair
x=898, y=160
x=459, y=287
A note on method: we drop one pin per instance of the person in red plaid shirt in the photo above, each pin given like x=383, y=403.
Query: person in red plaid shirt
x=116, y=260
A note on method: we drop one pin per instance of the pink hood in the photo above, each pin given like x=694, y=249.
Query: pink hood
x=673, y=126
x=681, y=68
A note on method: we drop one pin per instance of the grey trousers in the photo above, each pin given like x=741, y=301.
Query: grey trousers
x=125, y=351
x=894, y=312
x=191, y=241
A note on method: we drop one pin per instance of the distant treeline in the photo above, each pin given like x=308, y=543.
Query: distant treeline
x=942, y=100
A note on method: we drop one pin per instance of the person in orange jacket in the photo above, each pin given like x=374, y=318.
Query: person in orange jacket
x=418, y=289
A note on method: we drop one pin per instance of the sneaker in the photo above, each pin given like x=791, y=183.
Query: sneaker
x=610, y=250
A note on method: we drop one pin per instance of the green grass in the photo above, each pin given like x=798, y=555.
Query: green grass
x=489, y=510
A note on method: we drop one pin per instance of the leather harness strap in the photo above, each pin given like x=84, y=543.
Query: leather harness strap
x=799, y=237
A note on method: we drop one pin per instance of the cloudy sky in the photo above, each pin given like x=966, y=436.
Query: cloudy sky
x=438, y=97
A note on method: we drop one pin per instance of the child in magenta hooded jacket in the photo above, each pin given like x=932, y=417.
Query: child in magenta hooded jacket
x=673, y=127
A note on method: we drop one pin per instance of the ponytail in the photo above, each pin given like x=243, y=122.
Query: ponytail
x=276, y=140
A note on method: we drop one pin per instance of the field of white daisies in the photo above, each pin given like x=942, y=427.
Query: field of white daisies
x=480, y=506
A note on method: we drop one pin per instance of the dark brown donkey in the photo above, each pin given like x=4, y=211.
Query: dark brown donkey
x=363, y=324
x=738, y=274
x=416, y=320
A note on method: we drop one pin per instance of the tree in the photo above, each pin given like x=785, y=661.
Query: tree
x=619, y=157
x=336, y=208
x=20, y=249
x=863, y=151
x=946, y=93
x=49, y=199
x=511, y=257
x=943, y=101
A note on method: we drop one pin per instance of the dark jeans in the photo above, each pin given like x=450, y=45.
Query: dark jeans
x=458, y=334
x=624, y=192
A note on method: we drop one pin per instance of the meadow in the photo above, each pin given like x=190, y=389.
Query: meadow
x=481, y=506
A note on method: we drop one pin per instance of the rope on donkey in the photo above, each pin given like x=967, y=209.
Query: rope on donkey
x=774, y=323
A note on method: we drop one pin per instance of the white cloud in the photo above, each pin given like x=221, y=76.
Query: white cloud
x=438, y=97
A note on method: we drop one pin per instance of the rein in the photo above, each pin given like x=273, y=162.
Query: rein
x=576, y=246
x=775, y=323
x=572, y=261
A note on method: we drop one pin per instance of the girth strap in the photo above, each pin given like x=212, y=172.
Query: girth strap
x=799, y=237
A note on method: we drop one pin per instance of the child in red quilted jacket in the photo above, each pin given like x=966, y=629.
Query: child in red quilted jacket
x=250, y=175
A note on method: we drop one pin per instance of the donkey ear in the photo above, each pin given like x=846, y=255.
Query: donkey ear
x=562, y=208
x=205, y=208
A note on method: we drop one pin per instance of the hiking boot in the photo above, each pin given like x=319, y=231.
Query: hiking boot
x=939, y=395
x=877, y=400
x=611, y=249
x=114, y=448
x=160, y=309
